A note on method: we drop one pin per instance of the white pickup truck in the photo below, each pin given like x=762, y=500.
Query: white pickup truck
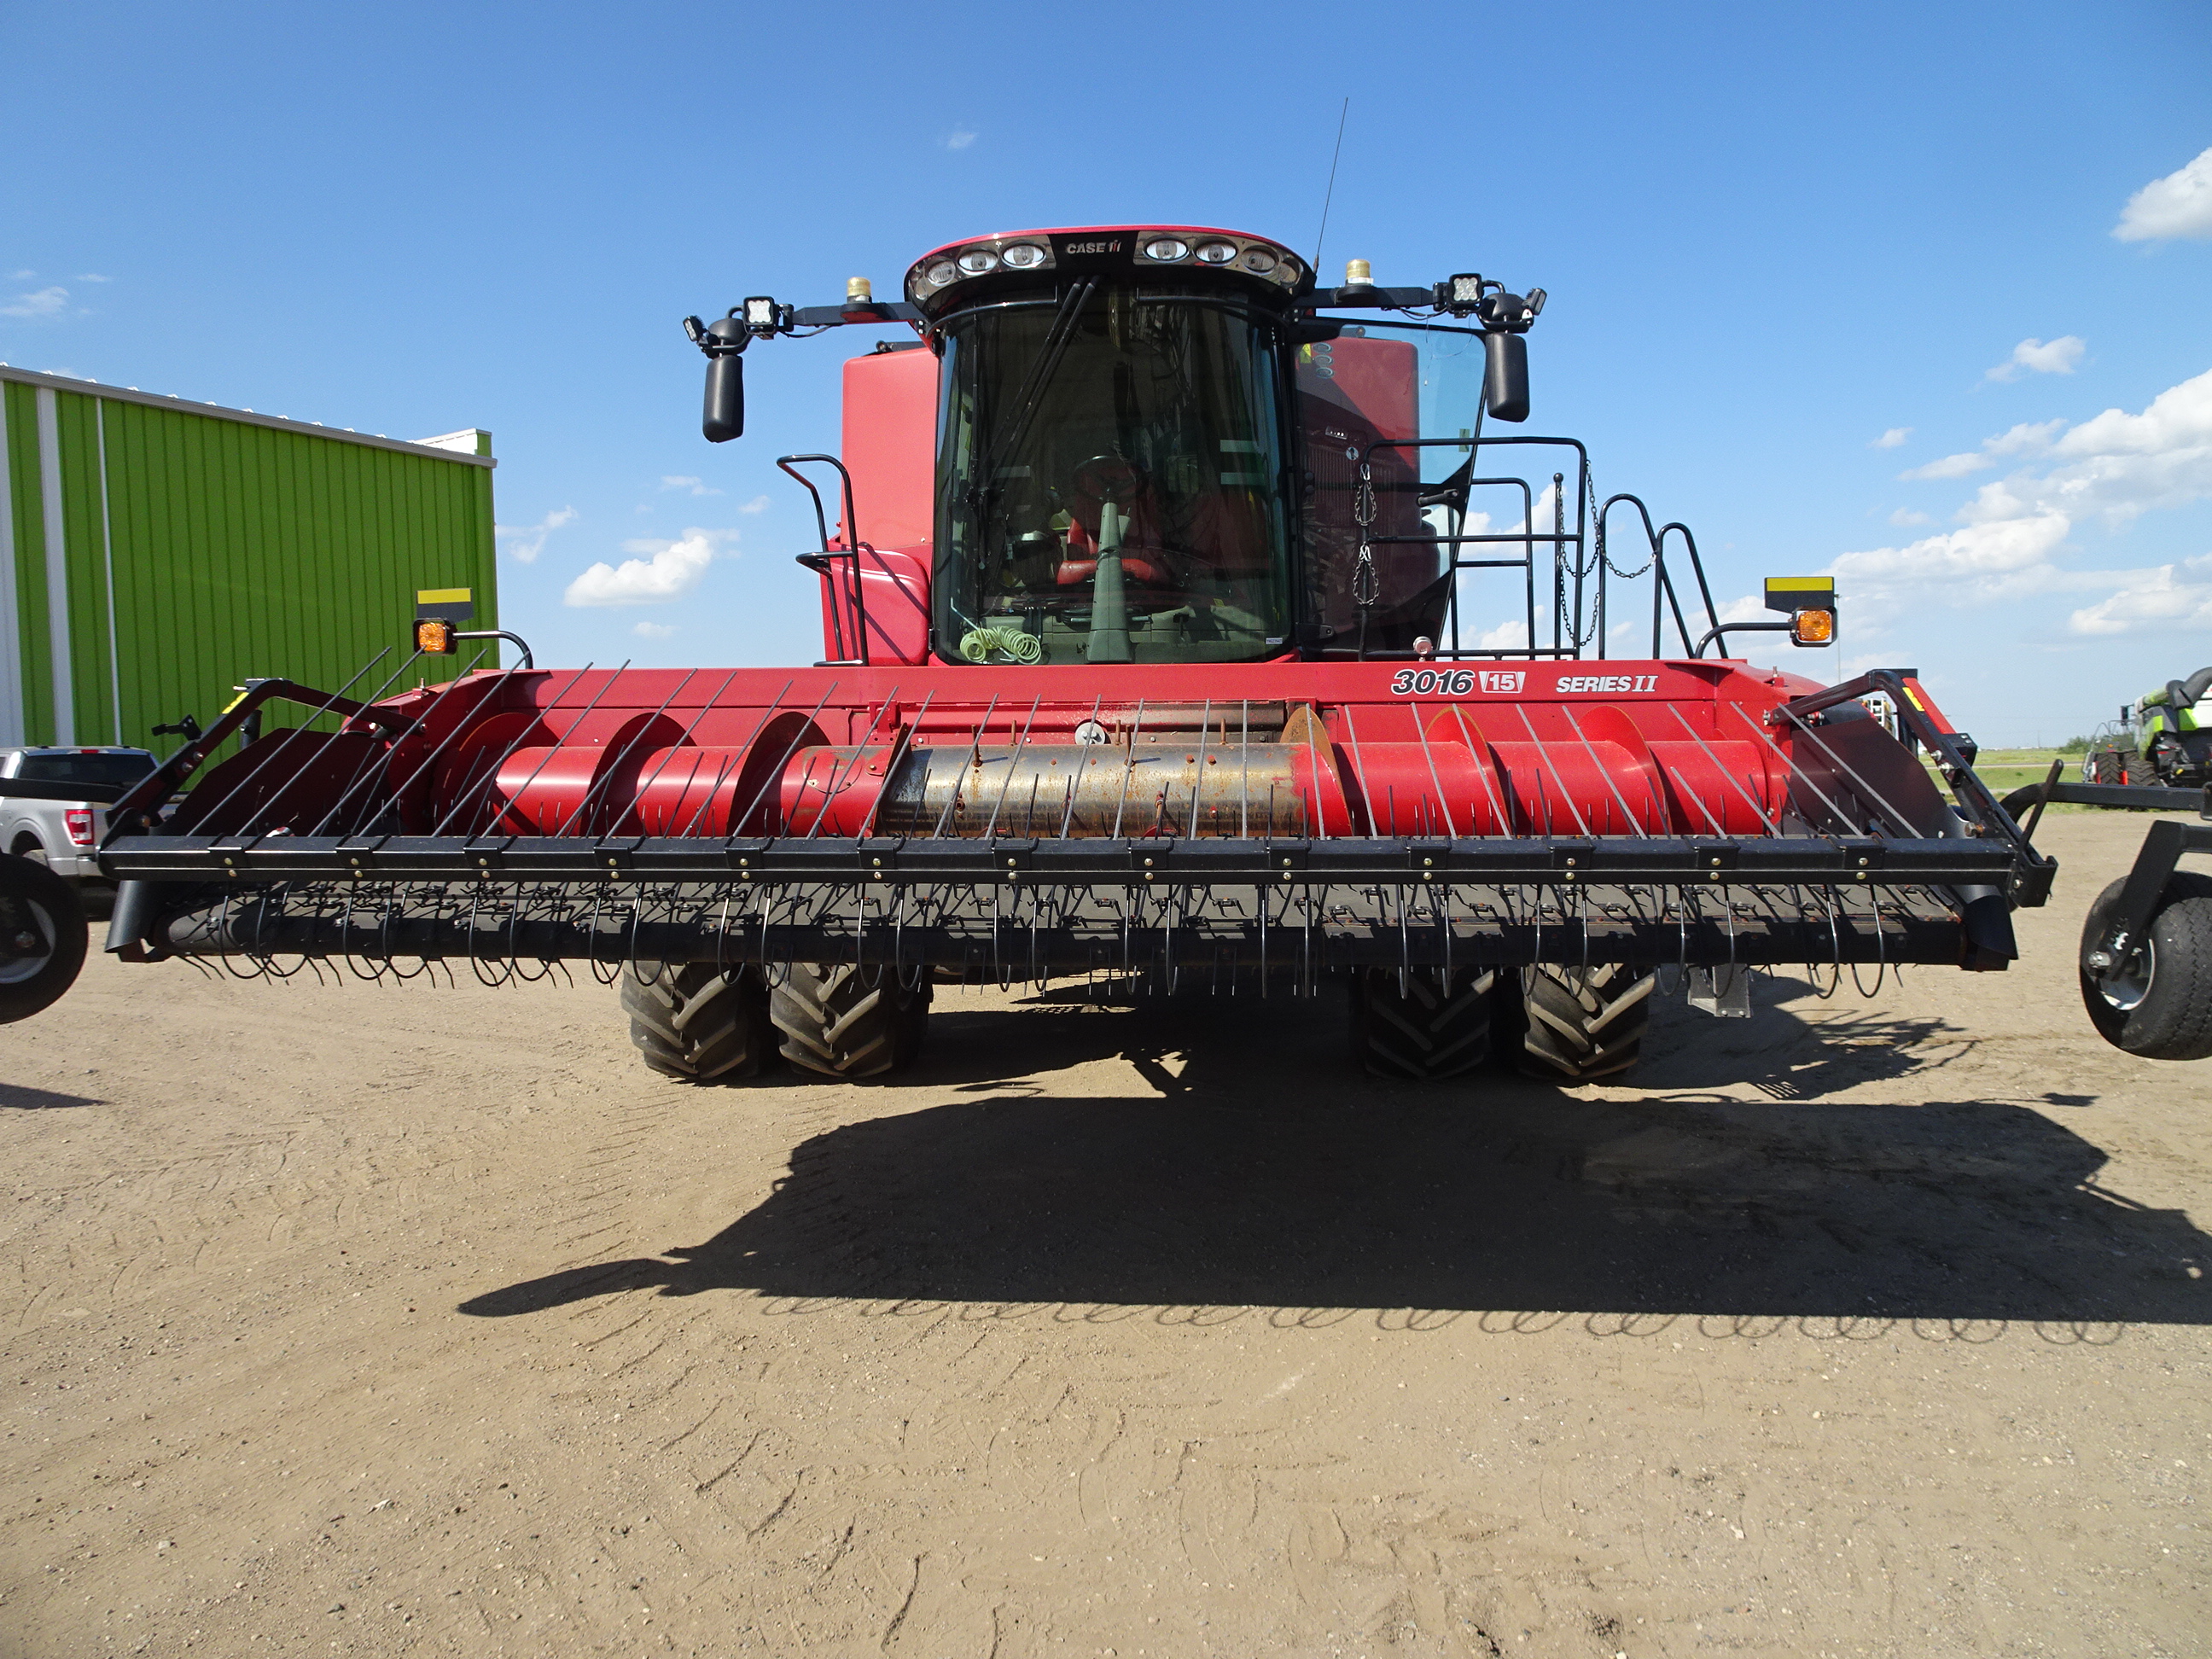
x=62, y=834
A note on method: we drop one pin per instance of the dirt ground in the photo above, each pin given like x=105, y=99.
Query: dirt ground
x=365, y=1320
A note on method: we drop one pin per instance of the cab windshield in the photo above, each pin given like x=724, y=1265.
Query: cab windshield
x=1110, y=483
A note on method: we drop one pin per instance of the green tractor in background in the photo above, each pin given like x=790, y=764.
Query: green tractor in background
x=2165, y=739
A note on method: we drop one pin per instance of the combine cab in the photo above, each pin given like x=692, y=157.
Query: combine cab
x=1187, y=627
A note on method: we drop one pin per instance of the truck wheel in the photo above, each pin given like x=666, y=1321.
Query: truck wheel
x=2159, y=1005
x=691, y=1020
x=1432, y=1028
x=1583, y=1024
x=847, y=1021
x=41, y=917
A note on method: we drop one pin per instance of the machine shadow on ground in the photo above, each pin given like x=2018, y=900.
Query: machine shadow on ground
x=1267, y=1171
x=19, y=1097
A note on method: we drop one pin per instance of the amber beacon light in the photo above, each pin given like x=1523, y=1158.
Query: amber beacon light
x=1810, y=602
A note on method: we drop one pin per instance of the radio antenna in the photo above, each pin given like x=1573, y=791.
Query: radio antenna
x=1330, y=194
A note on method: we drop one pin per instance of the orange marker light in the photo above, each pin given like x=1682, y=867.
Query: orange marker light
x=434, y=638
x=1813, y=627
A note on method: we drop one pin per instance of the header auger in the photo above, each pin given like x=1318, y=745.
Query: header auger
x=1184, y=628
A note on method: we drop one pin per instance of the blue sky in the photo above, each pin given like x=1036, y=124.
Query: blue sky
x=1839, y=287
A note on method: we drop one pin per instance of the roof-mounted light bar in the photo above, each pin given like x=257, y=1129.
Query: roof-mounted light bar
x=931, y=283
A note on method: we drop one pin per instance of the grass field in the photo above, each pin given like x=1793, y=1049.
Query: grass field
x=2007, y=769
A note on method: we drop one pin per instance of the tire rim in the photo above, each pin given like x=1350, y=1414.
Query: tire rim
x=2129, y=983
x=28, y=968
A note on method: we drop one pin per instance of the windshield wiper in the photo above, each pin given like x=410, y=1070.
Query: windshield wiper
x=1030, y=395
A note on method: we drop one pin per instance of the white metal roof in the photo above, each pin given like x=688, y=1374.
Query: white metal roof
x=441, y=448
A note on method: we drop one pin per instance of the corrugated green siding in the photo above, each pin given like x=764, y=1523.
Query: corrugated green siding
x=76, y=428
x=238, y=551
x=32, y=654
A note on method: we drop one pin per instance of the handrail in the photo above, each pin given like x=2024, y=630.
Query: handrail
x=790, y=464
x=1592, y=570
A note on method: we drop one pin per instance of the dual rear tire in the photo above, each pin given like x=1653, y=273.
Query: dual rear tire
x=1564, y=1026
x=704, y=1025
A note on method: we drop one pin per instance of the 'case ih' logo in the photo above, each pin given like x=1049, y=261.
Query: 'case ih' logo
x=1112, y=247
x=1511, y=680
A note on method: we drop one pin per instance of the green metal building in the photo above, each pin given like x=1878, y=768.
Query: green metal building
x=154, y=553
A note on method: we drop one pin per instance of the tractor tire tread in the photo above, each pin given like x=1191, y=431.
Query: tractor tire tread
x=1584, y=1024
x=1429, y=1031
x=842, y=1021
x=697, y=1022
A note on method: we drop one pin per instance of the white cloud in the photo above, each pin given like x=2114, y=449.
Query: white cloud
x=528, y=541
x=2115, y=466
x=1891, y=438
x=2119, y=464
x=95, y=276
x=46, y=302
x=1905, y=518
x=959, y=138
x=2056, y=357
x=2026, y=439
x=1979, y=554
x=758, y=504
x=2179, y=205
x=2152, y=601
x=1951, y=466
x=650, y=630
x=1506, y=636
x=668, y=571
x=671, y=481
x=1749, y=607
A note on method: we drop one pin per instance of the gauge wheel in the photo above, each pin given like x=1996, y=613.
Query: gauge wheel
x=42, y=926
x=2158, y=1003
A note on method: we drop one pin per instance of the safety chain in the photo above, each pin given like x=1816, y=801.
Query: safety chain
x=1584, y=565
x=1366, y=585
x=1605, y=558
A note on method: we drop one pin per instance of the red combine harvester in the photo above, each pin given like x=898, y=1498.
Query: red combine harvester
x=1185, y=628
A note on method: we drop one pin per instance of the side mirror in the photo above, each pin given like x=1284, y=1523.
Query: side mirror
x=1506, y=377
x=723, y=416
